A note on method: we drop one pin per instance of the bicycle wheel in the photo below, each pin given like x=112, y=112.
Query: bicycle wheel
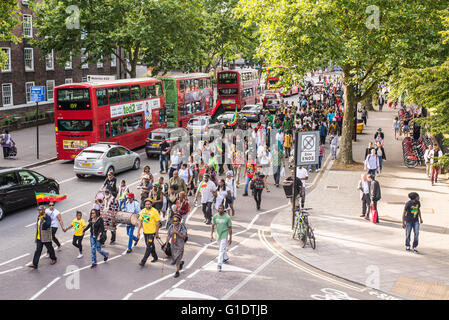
x=311, y=237
x=295, y=229
x=303, y=237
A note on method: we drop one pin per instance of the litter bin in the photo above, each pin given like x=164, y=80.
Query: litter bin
x=288, y=190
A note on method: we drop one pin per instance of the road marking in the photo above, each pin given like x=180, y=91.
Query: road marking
x=212, y=266
x=154, y=282
x=332, y=294
x=178, y=284
x=193, y=274
x=186, y=294
x=162, y=294
x=10, y=270
x=305, y=269
x=63, y=212
x=45, y=288
x=191, y=214
x=248, y=278
x=67, y=180
x=14, y=259
x=127, y=296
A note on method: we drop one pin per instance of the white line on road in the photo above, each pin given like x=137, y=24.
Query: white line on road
x=67, y=180
x=193, y=274
x=127, y=296
x=162, y=294
x=10, y=270
x=154, y=282
x=14, y=259
x=248, y=278
x=45, y=288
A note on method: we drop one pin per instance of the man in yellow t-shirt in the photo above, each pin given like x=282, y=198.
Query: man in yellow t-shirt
x=149, y=219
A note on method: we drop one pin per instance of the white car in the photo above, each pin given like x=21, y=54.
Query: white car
x=102, y=158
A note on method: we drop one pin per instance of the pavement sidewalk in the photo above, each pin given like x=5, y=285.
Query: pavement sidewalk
x=374, y=255
x=25, y=140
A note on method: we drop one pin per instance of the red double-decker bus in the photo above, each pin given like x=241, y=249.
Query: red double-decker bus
x=186, y=96
x=273, y=75
x=237, y=88
x=122, y=111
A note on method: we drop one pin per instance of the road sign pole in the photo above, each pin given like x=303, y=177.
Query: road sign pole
x=294, y=179
x=37, y=129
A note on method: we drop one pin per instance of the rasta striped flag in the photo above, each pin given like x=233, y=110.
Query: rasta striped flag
x=219, y=148
x=202, y=185
x=233, y=121
x=46, y=197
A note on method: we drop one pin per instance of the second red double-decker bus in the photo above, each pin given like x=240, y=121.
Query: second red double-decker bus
x=237, y=88
x=273, y=76
x=122, y=111
x=186, y=95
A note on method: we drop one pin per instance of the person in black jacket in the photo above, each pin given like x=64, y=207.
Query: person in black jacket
x=111, y=184
x=97, y=232
x=43, y=237
x=374, y=193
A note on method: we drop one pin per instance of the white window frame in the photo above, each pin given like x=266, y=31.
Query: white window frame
x=69, y=64
x=84, y=57
x=32, y=59
x=52, y=67
x=28, y=19
x=11, y=95
x=8, y=52
x=49, y=97
x=100, y=63
x=28, y=94
x=113, y=60
x=84, y=79
x=68, y=80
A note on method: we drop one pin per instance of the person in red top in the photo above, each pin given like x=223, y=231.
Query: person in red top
x=250, y=169
x=183, y=206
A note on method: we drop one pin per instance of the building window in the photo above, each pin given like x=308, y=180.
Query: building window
x=68, y=80
x=84, y=57
x=29, y=59
x=100, y=63
x=68, y=64
x=27, y=26
x=49, y=61
x=28, y=86
x=50, y=89
x=84, y=79
x=7, y=67
x=113, y=60
x=7, y=94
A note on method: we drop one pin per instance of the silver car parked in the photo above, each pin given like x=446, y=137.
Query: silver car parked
x=102, y=158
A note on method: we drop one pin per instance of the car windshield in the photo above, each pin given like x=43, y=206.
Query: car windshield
x=158, y=135
x=197, y=122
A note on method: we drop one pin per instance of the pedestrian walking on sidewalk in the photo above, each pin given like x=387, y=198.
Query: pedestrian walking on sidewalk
x=381, y=154
x=411, y=218
x=427, y=160
x=374, y=194
x=259, y=184
x=434, y=155
x=43, y=237
x=334, y=146
x=364, y=186
x=149, y=220
x=372, y=163
x=132, y=206
x=78, y=235
x=396, y=127
x=368, y=150
x=56, y=221
x=97, y=236
x=177, y=233
x=223, y=224
x=6, y=142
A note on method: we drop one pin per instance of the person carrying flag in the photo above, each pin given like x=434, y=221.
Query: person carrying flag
x=43, y=237
x=208, y=192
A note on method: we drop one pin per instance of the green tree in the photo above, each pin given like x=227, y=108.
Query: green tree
x=369, y=39
x=158, y=33
x=9, y=19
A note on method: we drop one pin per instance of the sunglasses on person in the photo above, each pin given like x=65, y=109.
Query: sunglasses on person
x=176, y=220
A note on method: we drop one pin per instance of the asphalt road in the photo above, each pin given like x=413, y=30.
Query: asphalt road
x=258, y=268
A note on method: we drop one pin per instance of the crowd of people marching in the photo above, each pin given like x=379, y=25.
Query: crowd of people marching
x=210, y=173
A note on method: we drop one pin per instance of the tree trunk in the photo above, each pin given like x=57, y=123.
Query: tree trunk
x=345, y=156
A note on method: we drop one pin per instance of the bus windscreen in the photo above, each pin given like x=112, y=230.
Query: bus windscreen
x=75, y=125
x=227, y=77
x=73, y=99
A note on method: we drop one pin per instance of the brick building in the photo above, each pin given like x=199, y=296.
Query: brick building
x=28, y=67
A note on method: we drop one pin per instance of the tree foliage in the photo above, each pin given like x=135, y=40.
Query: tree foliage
x=309, y=34
x=9, y=19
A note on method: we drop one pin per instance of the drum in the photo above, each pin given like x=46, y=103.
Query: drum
x=126, y=218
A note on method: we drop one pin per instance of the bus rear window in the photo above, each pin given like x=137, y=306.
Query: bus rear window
x=74, y=125
x=73, y=99
x=227, y=91
x=227, y=77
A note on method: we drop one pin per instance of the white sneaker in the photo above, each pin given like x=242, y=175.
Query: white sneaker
x=80, y=256
x=317, y=170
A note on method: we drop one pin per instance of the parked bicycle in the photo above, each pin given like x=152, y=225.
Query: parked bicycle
x=302, y=230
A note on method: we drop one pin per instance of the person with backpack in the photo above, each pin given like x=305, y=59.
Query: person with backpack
x=177, y=233
x=6, y=142
x=97, y=236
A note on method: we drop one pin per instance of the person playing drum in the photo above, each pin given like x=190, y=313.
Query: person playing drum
x=131, y=206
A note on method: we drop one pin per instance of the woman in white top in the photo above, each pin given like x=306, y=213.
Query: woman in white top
x=184, y=173
x=222, y=192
